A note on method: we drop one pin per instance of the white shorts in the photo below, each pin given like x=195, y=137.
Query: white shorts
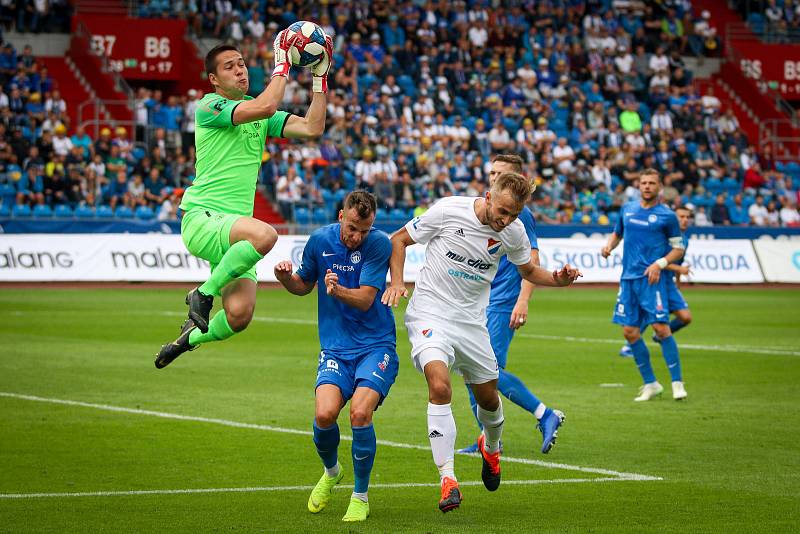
x=464, y=347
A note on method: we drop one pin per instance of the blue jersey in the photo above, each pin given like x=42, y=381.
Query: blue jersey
x=647, y=234
x=506, y=283
x=344, y=329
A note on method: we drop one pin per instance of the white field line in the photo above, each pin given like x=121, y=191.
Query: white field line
x=269, y=428
x=461, y=483
x=743, y=349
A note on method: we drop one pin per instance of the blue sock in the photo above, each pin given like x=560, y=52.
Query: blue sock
x=676, y=324
x=669, y=348
x=515, y=391
x=327, y=442
x=474, y=404
x=363, y=456
x=642, y=357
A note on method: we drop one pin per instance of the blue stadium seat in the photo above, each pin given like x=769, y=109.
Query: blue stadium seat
x=320, y=216
x=5, y=210
x=398, y=215
x=21, y=210
x=302, y=215
x=731, y=185
x=124, y=212
x=63, y=211
x=42, y=210
x=104, y=212
x=7, y=194
x=714, y=185
x=613, y=217
x=84, y=212
x=145, y=213
x=382, y=215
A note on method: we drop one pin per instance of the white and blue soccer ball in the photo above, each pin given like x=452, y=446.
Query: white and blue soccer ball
x=309, y=48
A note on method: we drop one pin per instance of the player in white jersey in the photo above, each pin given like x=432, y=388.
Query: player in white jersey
x=446, y=318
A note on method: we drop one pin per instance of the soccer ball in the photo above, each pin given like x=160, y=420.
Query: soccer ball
x=309, y=48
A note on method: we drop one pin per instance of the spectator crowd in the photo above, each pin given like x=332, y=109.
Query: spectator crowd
x=423, y=95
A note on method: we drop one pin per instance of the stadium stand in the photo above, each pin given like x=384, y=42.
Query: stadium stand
x=422, y=98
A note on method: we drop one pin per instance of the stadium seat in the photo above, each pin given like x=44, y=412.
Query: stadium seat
x=731, y=185
x=714, y=185
x=382, y=215
x=302, y=215
x=104, y=212
x=398, y=215
x=42, y=210
x=84, y=212
x=145, y=213
x=5, y=210
x=7, y=194
x=124, y=212
x=21, y=210
x=63, y=211
x=320, y=216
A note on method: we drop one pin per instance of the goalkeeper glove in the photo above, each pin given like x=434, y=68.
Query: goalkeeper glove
x=280, y=48
x=321, y=69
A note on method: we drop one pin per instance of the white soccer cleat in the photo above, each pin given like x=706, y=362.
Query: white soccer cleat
x=678, y=391
x=648, y=391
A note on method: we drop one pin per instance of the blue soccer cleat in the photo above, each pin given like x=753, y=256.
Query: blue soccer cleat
x=626, y=351
x=548, y=426
x=471, y=449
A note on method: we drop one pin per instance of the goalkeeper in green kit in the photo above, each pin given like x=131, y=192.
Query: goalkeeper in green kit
x=230, y=135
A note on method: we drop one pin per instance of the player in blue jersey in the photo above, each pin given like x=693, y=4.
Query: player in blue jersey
x=652, y=241
x=676, y=303
x=507, y=312
x=357, y=361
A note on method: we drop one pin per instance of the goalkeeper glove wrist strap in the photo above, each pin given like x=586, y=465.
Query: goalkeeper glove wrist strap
x=319, y=84
x=281, y=69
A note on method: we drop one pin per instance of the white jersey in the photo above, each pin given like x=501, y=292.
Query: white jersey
x=461, y=259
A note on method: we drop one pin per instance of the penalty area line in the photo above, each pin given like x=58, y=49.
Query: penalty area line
x=270, y=428
x=400, y=485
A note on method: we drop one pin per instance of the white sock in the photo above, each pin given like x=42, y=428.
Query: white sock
x=331, y=472
x=442, y=435
x=361, y=496
x=492, y=427
x=539, y=411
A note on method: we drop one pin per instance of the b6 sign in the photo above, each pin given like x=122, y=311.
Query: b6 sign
x=145, y=49
x=777, y=66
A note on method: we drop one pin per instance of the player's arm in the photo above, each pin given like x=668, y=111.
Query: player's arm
x=519, y=315
x=673, y=234
x=264, y=105
x=360, y=298
x=291, y=280
x=313, y=124
x=542, y=277
x=612, y=243
x=396, y=289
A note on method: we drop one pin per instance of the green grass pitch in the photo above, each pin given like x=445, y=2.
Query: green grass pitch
x=727, y=460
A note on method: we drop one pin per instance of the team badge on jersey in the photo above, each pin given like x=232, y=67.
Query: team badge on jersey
x=652, y=218
x=355, y=257
x=428, y=332
x=493, y=246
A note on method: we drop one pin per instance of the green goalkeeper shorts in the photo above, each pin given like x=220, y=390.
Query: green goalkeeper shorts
x=206, y=235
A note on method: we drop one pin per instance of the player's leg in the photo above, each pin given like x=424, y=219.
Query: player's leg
x=681, y=320
x=375, y=374
x=669, y=349
x=441, y=424
x=490, y=414
x=628, y=314
x=245, y=241
x=333, y=387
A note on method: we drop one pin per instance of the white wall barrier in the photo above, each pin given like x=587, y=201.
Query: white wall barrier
x=780, y=260
x=163, y=257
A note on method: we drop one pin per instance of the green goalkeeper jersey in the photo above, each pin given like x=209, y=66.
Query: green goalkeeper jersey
x=228, y=156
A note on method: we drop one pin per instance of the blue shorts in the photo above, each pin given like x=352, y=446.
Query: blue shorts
x=675, y=300
x=500, y=335
x=375, y=369
x=640, y=303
